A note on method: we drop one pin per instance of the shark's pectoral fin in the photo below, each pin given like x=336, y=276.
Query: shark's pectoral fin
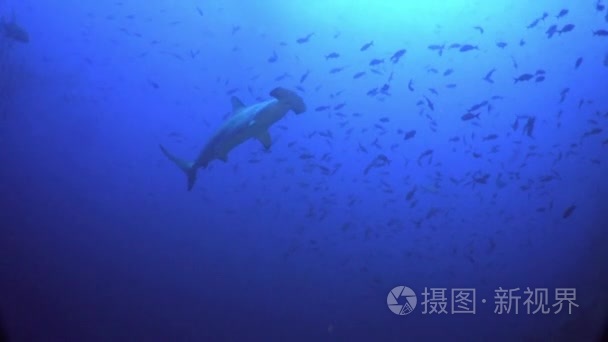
x=265, y=139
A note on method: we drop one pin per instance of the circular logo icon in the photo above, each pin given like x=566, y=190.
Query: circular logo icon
x=401, y=300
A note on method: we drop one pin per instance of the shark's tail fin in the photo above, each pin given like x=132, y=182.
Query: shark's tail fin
x=290, y=97
x=185, y=166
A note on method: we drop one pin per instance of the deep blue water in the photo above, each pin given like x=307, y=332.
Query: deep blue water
x=446, y=145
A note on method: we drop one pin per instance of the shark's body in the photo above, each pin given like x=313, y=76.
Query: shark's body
x=246, y=122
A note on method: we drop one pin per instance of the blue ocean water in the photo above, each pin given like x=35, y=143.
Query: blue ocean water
x=446, y=182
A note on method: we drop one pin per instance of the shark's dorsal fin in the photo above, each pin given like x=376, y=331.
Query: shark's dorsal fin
x=237, y=104
x=265, y=139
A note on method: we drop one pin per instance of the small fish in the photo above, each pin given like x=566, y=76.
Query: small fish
x=273, y=58
x=490, y=137
x=322, y=108
x=379, y=161
x=385, y=88
x=304, y=76
x=594, y=131
x=567, y=28
x=539, y=79
x=569, y=211
x=501, y=45
x=304, y=39
x=376, y=61
x=411, y=194
x=426, y=153
x=551, y=31
x=545, y=16
x=468, y=47
x=336, y=70
x=488, y=76
x=600, y=33
x=438, y=48
x=534, y=23
x=397, y=55
x=475, y=107
x=410, y=85
x=359, y=74
x=523, y=77
x=478, y=28
x=200, y=11
x=193, y=53
x=448, y=72
x=409, y=135
x=515, y=125
x=454, y=46
x=562, y=13
x=469, y=116
x=366, y=46
x=578, y=63
x=153, y=84
x=429, y=103
x=332, y=55
x=232, y=91
x=529, y=127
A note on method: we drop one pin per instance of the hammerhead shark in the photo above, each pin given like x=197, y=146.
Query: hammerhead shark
x=245, y=122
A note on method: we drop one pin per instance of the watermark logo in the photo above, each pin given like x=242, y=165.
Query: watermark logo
x=401, y=300
x=441, y=300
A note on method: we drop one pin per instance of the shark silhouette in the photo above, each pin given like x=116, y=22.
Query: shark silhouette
x=246, y=122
